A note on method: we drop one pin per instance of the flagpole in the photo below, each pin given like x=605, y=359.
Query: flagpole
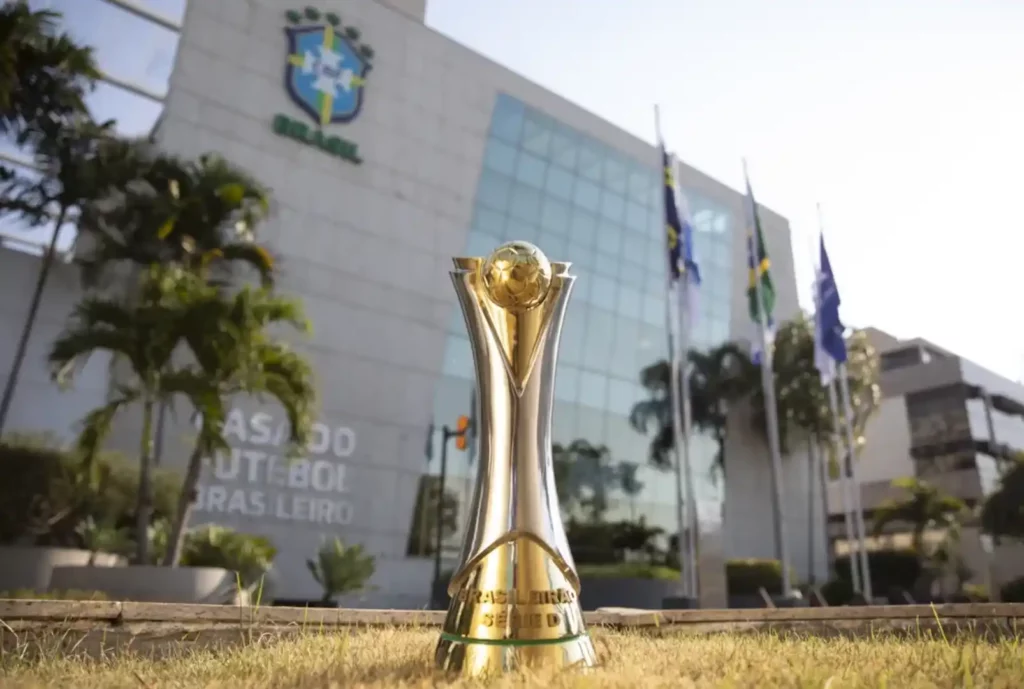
x=845, y=493
x=685, y=323
x=844, y=391
x=678, y=439
x=770, y=404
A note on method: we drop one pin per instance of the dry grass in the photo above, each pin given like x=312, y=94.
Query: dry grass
x=402, y=658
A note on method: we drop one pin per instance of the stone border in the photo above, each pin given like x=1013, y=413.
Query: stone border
x=98, y=628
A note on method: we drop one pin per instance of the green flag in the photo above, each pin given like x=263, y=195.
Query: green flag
x=759, y=265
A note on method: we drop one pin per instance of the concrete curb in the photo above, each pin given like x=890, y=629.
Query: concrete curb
x=98, y=628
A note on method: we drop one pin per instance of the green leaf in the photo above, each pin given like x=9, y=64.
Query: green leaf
x=166, y=229
x=231, y=194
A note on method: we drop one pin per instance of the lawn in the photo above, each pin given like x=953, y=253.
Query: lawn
x=402, y=658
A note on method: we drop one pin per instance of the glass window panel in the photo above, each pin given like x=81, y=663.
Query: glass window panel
x=564, y=148
x=600, y=330
x=591, y=160
x=719, y=330
x=581, y=288
x=613, y=206
x=560, y=183
x=500, y=157
x=607, y=265
x=555, y=216
x=603, y=292
x=537, y=133
x=591, y=425
x=636, y=250
x=458, y=358
x=583, y=229
x=488, y=221
x=587, y=195
x=629, y=301
x=518, y=230
x=567, y=383
x=656, y=276
x=652, y=344
x=656, y=252
x=638, y=185
x=593, y=389
x=621, y=397
x=609, y=238
x=582, y=258
x=457, y=323
x=525, y=203
x=553, y=246
x=563, y=423
x=636, y=217
x=494, y=190
x=654, y=309
x=623, y=358
x=615, y=175
x=720, y=253
x=656, y=224
x=573, y=336
x=631, y=274
x=480, y=244
x=655, y=192
x=507, y=122
x=531, y=170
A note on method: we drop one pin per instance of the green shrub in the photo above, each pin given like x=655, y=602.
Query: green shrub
x=45, y=498
x=628, y=570
x=837, y=591
x=71, y=594
x=745, y=577
x=891, y=570
x=1013, y=591
x=211, y=545
x=341, y=569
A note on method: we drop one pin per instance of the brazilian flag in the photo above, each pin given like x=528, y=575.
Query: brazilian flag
x=759, y=265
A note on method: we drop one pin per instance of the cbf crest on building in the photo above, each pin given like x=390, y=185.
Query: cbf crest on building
x=326, y=67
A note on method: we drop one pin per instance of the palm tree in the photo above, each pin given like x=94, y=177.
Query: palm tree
x=718, y=378
x=630, y=485
x=925, y=508
x=201, y=214
x=1002, y=515
x=177, y=312
x=583, y=473
x=81, y=164
x=802, y=400
x=237, y=356
x=144, y=334
x=44, y=74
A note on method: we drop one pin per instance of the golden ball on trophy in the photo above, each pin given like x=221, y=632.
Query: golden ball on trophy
x=517, y=276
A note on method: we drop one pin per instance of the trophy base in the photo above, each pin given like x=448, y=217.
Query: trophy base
x=486, y=657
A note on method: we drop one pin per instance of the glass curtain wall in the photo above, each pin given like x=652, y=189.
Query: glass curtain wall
x=583, y=202
x=128, y=48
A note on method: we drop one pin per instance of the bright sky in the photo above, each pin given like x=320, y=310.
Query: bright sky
x=903, y=118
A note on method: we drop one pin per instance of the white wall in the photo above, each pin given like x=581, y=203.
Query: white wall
x=39, y=405
x=749, y=522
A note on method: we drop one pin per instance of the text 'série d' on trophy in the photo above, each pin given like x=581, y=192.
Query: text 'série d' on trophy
x=515, y=592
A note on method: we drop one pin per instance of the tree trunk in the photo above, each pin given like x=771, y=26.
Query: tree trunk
x=186, y=501
x=30, y=319
x=144, y=506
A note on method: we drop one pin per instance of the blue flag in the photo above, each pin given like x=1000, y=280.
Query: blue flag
x=682, y=259
x=828, y=326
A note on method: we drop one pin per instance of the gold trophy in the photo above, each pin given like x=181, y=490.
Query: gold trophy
x=515, y=594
